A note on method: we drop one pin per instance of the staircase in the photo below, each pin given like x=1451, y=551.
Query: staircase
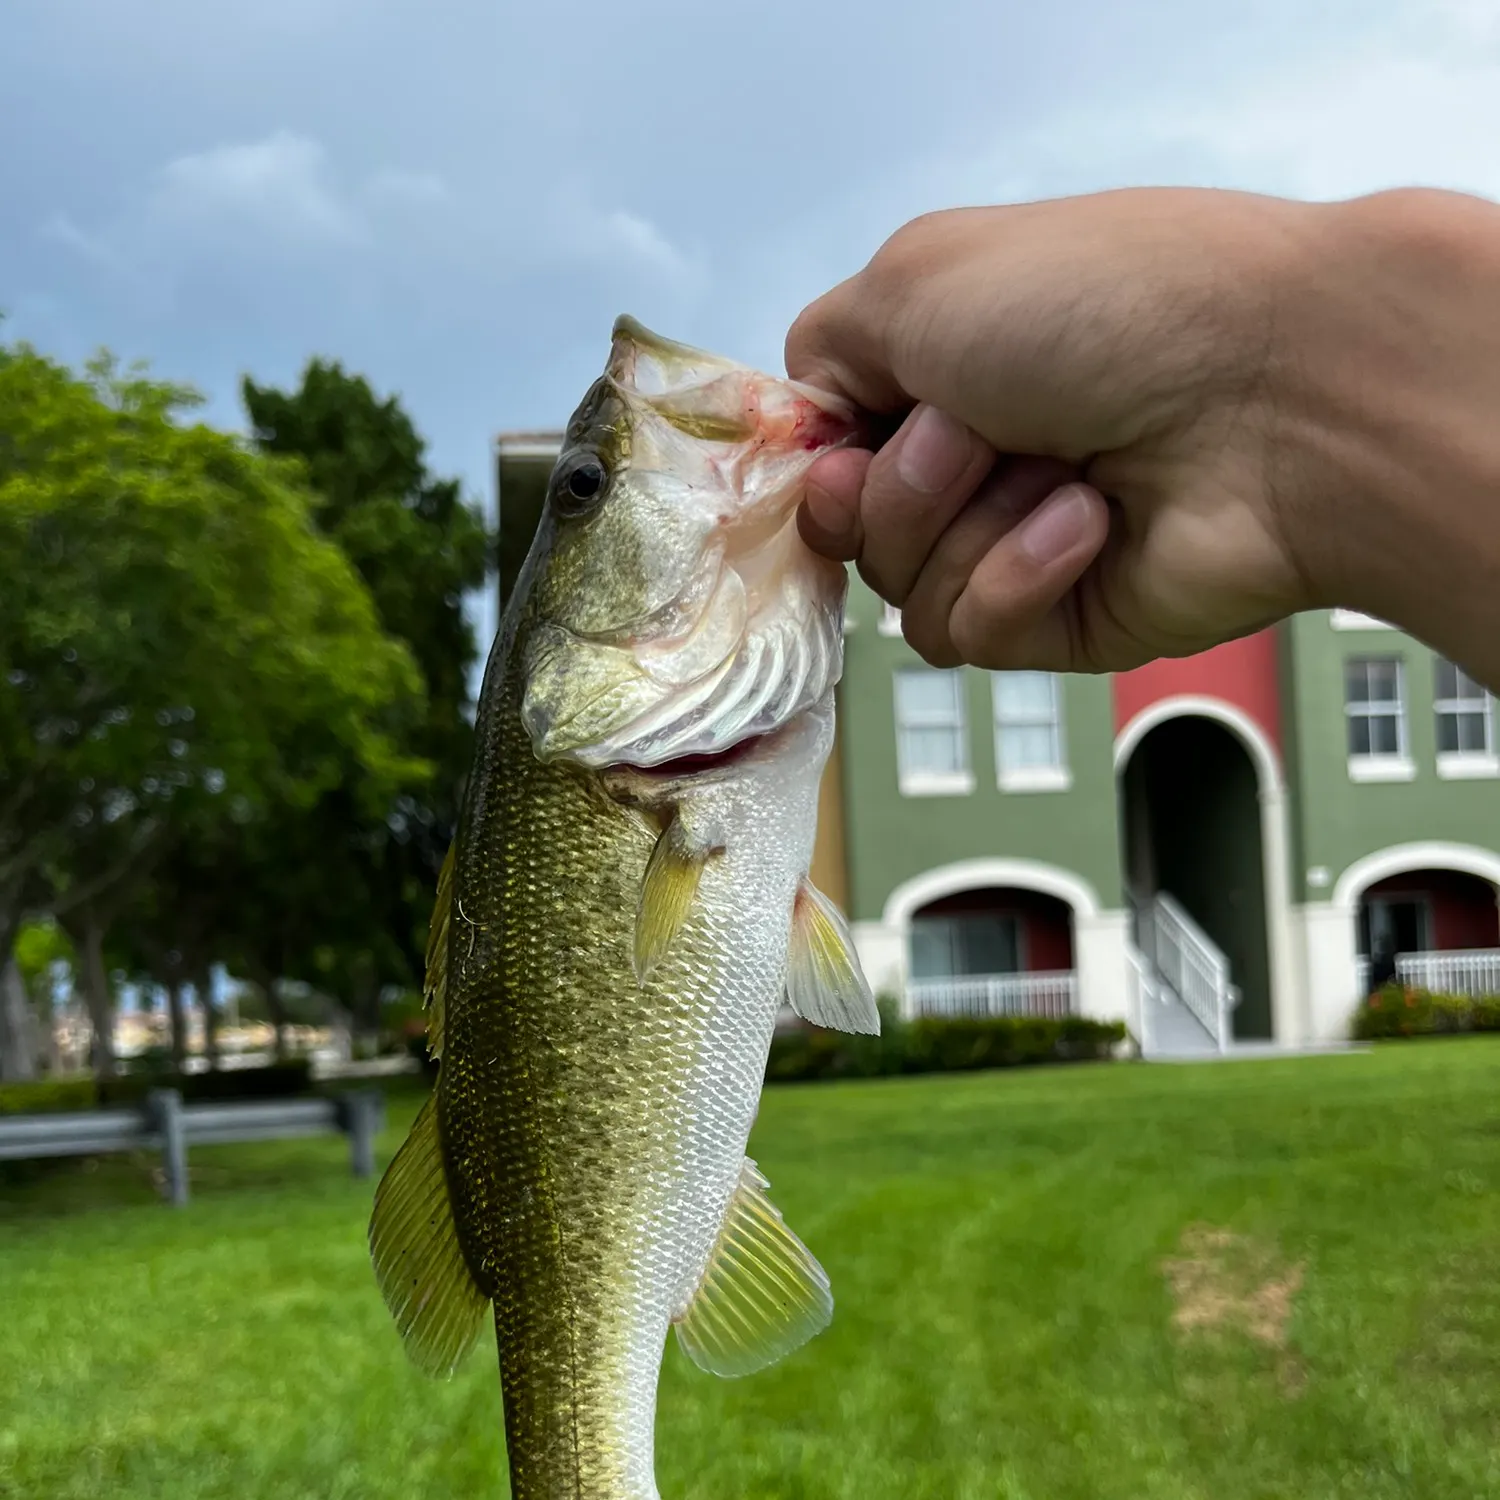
x=1186, y=999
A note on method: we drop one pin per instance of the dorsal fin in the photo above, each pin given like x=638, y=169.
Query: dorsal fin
x=763, y=1294
x=435, y=985
x=418, y=1262
x=825, y=983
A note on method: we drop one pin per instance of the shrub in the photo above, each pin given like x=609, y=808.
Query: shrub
x=1487, y=1013
x=277, y=1081
x=934, y=1045
x=47, y=1097
x=1397, y=1011
x=274, y=1081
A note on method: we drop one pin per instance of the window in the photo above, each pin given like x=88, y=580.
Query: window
x=1375, y=712
x=974, y=943
x=890, y=619
x=1028, y=732
x=931, y=737
x=1465, y=724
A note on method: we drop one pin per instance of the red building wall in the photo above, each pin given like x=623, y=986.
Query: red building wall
x=1046, y=922
x=1244, y=673
x=1464, y=914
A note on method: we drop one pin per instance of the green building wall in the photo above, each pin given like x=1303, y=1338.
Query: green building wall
x=1336, y=820
x=891, y=838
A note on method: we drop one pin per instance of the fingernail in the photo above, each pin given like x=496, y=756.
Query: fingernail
x=935, y=451
x=1056, y=526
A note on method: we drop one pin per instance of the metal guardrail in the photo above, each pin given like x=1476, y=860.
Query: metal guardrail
x=168, y=1125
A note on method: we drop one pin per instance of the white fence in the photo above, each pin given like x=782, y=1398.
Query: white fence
x=1052, y=993
x=1461, y=971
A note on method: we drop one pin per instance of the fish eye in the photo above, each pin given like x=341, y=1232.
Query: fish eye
x=581, y=486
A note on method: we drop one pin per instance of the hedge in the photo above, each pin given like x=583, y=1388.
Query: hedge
x=1396, y=1011
x=925, y=1046
x=274, y=1081
x=931, y=1045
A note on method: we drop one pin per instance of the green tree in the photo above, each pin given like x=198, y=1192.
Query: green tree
x=419, y=548
x=180, y=651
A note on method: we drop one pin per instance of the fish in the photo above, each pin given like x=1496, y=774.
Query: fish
x=624, y=909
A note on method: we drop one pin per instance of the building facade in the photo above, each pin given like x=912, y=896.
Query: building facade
x=1225, y=851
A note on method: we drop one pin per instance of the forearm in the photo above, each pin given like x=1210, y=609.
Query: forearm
x=1391, y=475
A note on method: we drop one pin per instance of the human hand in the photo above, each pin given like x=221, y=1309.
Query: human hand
x=1139, y=345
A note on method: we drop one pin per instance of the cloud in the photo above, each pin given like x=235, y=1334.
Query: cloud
x=277, y=188
x=407, y=189
x=280, y=197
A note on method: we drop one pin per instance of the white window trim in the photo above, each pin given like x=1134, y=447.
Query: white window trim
x=890, y=619
x=921, y=783
x=936, y=783
x=1037, y=779
x=1352, y=619
x=1396, y=767
x=1058, y=778
x=1381, y=768
x=1467, y=765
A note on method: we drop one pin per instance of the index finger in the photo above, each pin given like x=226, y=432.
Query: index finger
x=834, y=345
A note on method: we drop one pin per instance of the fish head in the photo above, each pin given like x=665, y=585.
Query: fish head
x=675, y=611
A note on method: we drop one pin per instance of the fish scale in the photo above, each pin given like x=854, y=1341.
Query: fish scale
x=611, y=947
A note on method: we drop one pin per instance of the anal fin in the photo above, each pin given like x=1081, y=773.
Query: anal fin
x=763, y=1294
x=421, y=1270
x=825, y=983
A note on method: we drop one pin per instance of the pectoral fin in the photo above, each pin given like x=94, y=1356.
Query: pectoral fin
x=667, y=892
x=414, y=1245
x=825, y=983
x=763, y=1294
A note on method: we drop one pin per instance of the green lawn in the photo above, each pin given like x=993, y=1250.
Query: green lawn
x=1004, y=1323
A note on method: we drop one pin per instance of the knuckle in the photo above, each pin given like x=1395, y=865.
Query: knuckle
x=909, y=248
x=929, y=638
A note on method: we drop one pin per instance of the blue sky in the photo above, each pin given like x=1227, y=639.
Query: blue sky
x=457, y=198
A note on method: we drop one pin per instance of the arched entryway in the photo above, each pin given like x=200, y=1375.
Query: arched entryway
x=1429, y=914
x=994, y=950
x=1193, y=804
x=995, y=936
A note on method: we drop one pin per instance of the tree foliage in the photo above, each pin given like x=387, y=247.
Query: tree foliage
x=419, y=548
x=184, y=658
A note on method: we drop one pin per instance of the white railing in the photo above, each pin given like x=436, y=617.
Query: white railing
x=1143, y=993
x=1460, y=971
x=1050, y=994
x=1190, y=964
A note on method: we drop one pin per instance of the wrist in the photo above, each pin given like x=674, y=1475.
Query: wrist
x=1389, y=474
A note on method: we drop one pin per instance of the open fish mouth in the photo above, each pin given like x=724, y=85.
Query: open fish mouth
x=703, y=763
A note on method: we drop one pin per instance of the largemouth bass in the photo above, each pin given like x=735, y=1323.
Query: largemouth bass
x=625, y=906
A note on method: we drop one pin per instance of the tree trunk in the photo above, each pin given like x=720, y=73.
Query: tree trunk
x=96, y=995
x=18, y=1039
x=277, y=1009
x=179, y=1022
x=203, y=988
x=365, y=1007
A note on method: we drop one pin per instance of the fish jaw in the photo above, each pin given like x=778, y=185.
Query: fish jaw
x=733, y=677
x=680, y=612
